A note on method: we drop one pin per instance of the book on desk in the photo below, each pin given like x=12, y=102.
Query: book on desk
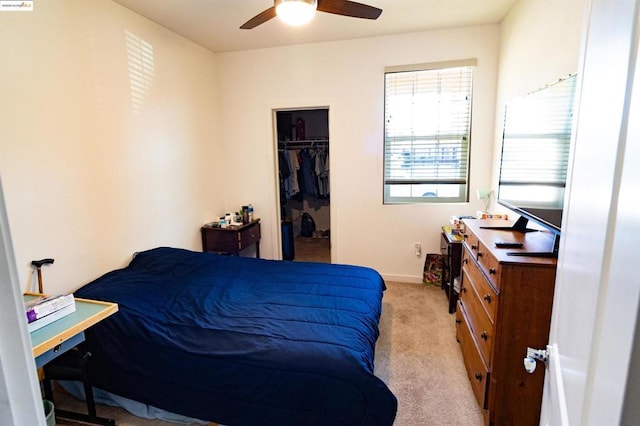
x=41, y=310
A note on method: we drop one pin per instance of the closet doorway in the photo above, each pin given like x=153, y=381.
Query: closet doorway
x=303, y=175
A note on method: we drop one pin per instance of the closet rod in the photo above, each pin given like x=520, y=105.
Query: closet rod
x=302, y=144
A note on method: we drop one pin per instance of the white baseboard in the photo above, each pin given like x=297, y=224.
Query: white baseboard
x=403, y=278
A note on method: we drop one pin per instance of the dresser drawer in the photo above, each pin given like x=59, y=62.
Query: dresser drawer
x=476, y=369
x=486, y=293
x=479, y=323
x=248, y=236
x=489, y=265
x=472, y=243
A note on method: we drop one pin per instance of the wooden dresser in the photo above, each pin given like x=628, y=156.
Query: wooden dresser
x=504, y=307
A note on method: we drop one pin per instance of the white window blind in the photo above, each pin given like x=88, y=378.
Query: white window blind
x=427, y=132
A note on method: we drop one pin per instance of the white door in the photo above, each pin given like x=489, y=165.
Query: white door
x=597, y=288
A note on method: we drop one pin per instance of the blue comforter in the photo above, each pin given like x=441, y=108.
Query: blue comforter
x=242, y=341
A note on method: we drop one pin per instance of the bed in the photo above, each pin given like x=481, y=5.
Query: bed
x=242, y=341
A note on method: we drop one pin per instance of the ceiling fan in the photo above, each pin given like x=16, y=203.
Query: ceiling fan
x=308, y=7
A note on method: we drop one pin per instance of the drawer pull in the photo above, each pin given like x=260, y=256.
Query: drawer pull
x=458, y=321
x=474, y=247
x=479, y=377
x=463, y=290
x=484, y=336
x=479, y=254
x=492, y=271
x=487, y=298
x=465, y=261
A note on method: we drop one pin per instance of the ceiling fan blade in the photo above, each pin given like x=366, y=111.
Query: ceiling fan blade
x=349, y=8
x=260, y=18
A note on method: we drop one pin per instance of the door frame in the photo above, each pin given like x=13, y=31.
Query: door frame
x=277, y=229
x=20, y=396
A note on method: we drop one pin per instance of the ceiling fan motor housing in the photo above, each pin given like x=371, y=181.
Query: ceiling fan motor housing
x=295, y=12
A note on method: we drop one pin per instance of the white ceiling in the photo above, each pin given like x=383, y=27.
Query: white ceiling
x=215, y=24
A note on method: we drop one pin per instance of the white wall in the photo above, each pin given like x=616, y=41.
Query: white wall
x=96, y=167
x=347, y=76
x=539, y=44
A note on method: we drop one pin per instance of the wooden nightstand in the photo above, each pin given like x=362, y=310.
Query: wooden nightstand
x=451, y=250
x=232, y=239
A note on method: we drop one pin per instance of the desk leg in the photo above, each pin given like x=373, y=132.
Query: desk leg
x=73, y=366
x=258, y=249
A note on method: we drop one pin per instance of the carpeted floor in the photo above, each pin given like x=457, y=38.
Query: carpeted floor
x=417, y=356
x=309, y=249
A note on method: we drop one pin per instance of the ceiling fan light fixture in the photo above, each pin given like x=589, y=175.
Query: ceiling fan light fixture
x=296, y=12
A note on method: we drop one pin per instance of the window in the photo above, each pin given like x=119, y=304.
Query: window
x=427, y=132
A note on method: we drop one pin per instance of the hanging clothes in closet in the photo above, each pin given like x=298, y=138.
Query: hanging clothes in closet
x=304, y=172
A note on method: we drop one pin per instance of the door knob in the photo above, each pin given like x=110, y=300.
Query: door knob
x=534, y=355
x=529, y=364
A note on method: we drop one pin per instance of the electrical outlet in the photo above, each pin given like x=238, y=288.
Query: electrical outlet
x=418, y=249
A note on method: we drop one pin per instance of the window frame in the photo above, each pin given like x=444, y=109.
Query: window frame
x=462, y=179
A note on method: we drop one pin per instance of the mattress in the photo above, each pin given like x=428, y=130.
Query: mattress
x=242, y=341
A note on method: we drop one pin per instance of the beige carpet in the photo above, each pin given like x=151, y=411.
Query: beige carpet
x=417, y=356
x=309, y=249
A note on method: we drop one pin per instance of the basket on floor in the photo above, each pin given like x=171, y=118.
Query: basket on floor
x=432, y=273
